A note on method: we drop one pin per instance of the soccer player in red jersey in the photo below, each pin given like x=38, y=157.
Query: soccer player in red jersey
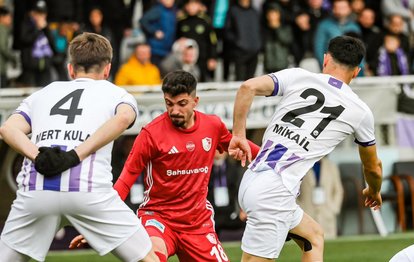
x=176, y=152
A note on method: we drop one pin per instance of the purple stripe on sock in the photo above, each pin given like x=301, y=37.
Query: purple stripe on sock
x=91, y=172
x=262, y=153
x=292, y=159
x=275, y=155
x=32, y=179
x=74, y=177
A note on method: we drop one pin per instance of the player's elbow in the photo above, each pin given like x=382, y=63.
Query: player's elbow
x=125, y=119
x=3, y=130
x=249, y=87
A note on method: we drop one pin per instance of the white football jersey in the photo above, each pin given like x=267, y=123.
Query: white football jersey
x=65, y=114
x=315, y=114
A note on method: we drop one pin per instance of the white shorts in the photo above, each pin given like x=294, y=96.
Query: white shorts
x=102, y=218
x=405, y=255
x=271, y=212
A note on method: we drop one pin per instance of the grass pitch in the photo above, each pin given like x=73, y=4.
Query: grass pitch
x=366, y=248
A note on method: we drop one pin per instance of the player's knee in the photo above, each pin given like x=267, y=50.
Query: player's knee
x=317, y=236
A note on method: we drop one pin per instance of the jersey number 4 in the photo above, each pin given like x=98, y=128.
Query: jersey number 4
x=334, y=112
x=73, y=109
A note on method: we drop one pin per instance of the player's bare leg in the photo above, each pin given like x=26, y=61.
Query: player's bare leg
x=160, y=248
x=311, y=231
x=151, y=257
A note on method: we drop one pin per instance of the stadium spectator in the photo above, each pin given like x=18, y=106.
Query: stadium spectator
x=356, y=8
x=217, y=10
x=338, y=24
x=195, y=24
x=288, y=9
x=139, y=70
x=306, y=22
x=394, y=24
x=321, y=195
x=72, y=174
x=403, y=8
x=159, y=26
x=392, y=60
x=37, y=48
x=95, y=24
x=175, y=152
x=242, y=32
x=6, y=54
x=60, y=38
x=296, y=138
x=372, y=36
x=184, y=56
x=118, y=17
x=277, y=41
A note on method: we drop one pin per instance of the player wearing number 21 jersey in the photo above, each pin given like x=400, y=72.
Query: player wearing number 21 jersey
x=316, y=113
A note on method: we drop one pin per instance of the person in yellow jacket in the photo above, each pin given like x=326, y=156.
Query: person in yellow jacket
x=139, y=70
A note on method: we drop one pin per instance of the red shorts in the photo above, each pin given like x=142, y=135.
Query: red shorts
x=188, y=247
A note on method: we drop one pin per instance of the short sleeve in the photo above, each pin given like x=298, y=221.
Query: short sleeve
x=129, y=100
x=24, y=109
x=225, y=137
x=281, y=80
x=365, y=133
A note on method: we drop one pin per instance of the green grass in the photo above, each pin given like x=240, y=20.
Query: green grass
x=366, y=248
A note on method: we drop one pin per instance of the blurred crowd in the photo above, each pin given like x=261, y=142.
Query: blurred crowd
x=153, y=37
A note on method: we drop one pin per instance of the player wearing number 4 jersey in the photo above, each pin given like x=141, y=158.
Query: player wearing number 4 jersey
x=316, y=113
x=73, y=125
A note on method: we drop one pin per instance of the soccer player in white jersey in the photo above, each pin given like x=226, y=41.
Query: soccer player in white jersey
x=73, y=125
x=316, y=113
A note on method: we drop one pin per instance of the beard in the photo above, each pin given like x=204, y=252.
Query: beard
x=177, y=121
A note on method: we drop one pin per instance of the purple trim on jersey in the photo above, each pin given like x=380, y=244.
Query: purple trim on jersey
x=135, y=110
x=74, y=178
x=26, y=116
x=335, y=82
x=369, y=143
x=91, y=172
x=275, y=155
x=52, y=183
x=276, y=85
x=268, y=144
x=292, y=159
x=32, y=179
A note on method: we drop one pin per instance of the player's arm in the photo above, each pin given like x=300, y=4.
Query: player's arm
x=14, y=131
x=137, y=160
x=372, y=168
x=258, y=86
x=125, y=115
x=52, y=160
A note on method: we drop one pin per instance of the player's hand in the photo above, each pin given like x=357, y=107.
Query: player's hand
x=372, y=199
x=77, y=242
x=239, y=149
x=52, y=161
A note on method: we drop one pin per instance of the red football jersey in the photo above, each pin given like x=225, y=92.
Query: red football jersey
x=177, y=165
